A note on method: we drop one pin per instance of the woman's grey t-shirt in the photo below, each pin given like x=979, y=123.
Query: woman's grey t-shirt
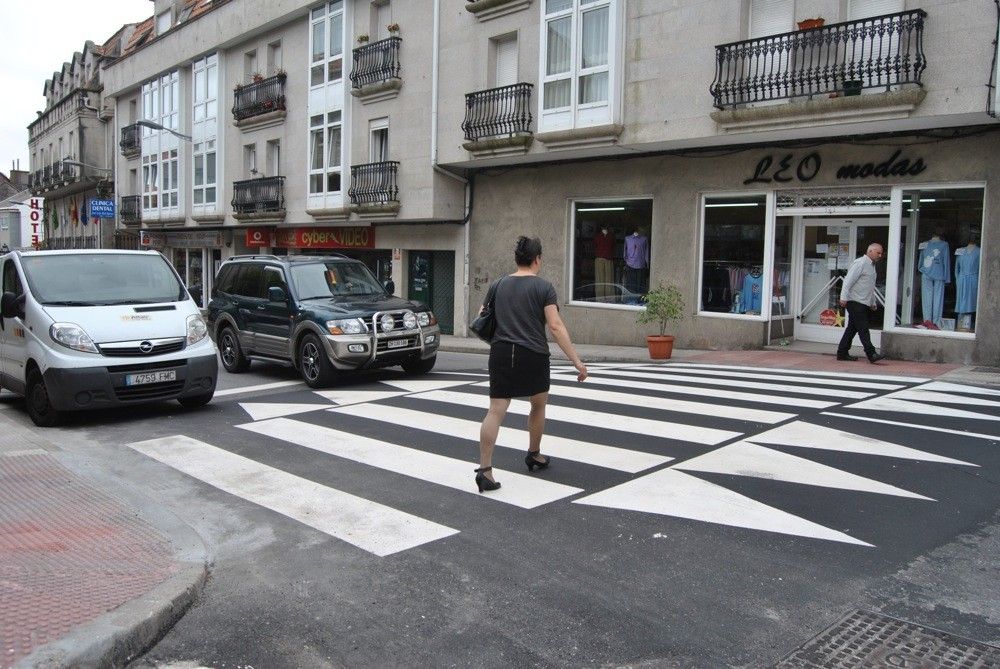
x=520, y=311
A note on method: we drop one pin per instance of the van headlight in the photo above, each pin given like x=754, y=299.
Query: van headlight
x=72, y=336
x=196, y=329
x=425, y=318
x=348, y=326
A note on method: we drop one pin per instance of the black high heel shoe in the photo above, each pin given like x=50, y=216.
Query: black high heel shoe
x=530, y=460
x=483, y=482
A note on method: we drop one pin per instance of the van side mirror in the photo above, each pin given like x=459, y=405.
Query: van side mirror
x=12, y=305
x=276, y=294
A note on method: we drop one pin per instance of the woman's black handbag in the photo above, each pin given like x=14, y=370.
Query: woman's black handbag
x=485, y=324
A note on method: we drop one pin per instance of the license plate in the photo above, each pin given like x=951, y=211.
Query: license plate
x=150, y=377
x=396, y=343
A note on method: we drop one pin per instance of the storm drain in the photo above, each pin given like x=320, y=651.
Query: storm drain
x=866, y=639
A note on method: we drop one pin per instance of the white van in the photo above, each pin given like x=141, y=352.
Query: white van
x=89, y=329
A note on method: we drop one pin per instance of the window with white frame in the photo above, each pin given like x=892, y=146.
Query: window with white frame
x=734, y=262
x=161, y=101
x=611, y=250
x=204, y=182
x=168, y=178
x=205, y=103
x=206, y=88
x=326, y=44
x=150, y=182
x=578, y=47
x=378, y=140
x=325, y=148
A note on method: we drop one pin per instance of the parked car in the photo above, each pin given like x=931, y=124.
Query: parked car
x=606, y=293
x=88, y=329
x=322, y=314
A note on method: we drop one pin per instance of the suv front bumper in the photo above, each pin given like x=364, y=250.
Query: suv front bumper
x=364, y=350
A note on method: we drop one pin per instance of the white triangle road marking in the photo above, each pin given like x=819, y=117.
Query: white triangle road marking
x=635, y=426
x=347, y=396
x=253, y=389
x=702, y=392
x=745, y=459
x=916, y=426
x=908, y=406
x=265, y=410
x=921, y=395
x=945, y=387
x=423, y=385
x=599, y=455
x=808, y=435
x=524, y=491
x=801, y=372
x=368, y=525
x=669, y=492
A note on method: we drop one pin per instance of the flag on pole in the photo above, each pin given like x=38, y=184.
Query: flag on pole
x=55, y=218
x=74, y=214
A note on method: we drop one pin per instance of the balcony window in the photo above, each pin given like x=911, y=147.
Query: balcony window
x=326, y=39
x=266, y=194
x=376, y=62
x=259, y=97
x=374, y=184
x=498, y=112
x=131, y=209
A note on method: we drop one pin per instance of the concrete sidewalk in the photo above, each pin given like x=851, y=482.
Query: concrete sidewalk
x=800, y=355
x=91, y=573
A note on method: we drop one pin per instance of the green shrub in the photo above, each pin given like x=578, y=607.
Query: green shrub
x=663, y=304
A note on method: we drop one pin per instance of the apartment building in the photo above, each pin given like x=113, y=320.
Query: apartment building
x=70, y=150
x=744, y=150
x=289, y=127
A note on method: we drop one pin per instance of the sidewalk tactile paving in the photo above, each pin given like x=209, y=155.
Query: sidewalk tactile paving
x=68, y=554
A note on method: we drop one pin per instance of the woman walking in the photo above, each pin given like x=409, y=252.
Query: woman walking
x=524, y=303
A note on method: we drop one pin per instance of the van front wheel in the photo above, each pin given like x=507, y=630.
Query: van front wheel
x=36, y=398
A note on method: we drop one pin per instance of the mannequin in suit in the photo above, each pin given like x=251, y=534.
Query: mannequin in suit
x=604, y=275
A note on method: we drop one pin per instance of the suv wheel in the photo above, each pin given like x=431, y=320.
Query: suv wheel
x=232, y=355
x=36, y=398
x=313, y=363
x=419, y=365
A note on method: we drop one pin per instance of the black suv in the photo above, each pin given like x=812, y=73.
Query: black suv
x=322, y=314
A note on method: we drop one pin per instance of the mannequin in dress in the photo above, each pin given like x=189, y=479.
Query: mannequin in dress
x=604, y=275
x=935, y=270
x=966, y=283
x=753, y=290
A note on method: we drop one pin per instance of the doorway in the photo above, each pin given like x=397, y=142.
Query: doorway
x=826, y=247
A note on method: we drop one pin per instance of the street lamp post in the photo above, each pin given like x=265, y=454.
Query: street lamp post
x=153, y=125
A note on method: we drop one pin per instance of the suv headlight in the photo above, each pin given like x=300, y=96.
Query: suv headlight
x=348, y=326
x=425, y=318
x=72, y=336
x=409, y=320
x=196, y=329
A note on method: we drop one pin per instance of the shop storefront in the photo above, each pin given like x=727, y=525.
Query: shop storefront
x=759, y=241
x=196, y=255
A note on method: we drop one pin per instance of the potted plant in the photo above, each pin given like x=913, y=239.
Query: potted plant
x=663, y=304
x=257, y=77
x=393, y=29
x=809, y=24
x=363, y=38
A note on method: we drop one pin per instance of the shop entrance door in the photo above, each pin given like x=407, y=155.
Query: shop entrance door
x=826, y=249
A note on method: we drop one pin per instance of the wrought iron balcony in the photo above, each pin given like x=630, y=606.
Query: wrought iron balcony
x=374, y=184
x=130, y=143
x=376, y=62
x=130, y=210
x=254, y=196
x=260, y=97
x=498, y=112
x=844, y=58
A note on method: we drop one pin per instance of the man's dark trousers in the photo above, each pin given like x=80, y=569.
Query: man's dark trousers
x=857, y=324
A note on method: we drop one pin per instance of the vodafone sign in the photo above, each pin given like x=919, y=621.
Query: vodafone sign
x=258, y=237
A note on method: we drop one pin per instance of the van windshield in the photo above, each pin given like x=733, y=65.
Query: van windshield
x=334, y=279
x=97, y=279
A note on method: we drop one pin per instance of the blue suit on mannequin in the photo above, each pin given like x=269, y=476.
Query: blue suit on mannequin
x=935, y=268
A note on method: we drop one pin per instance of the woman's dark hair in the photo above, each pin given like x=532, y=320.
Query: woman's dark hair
x=526, y=250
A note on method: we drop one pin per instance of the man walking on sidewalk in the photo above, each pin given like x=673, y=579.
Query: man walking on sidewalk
x=857, y=295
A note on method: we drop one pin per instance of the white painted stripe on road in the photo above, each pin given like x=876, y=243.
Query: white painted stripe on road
x=960, y=433
x=921, y=395
x=370, y=526
x=946, y=387
x=524, y=491
x=736, y=377
x=909, y=406
x=739, y=382
x=808, y=435
x=745, y=459
x=256, y=389
x=423, y=385
x=480, y=374
x=669, y=492
x=702, y=392
x=264, y=410
x=802, y=372
x=599, y=455
x=599, y=419
x=668, y=404
x=348, y=396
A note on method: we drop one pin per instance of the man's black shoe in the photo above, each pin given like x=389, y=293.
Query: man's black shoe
x=846, y=358
x=875, y=358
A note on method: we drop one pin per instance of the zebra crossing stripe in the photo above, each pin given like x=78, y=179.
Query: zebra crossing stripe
x=739, y=382
x=524, y=491
x=801, y=372
x=945, y=387
x=921, y=395
x=915, y=426
x=745, y=459
x=665, y=404
x=368, y=525
x=669, y=492
x=600, y=419
x=599, y=455
x=908, y=406
x=263, y=410
x=793, y=375
x=808, y=435
x=703, y=392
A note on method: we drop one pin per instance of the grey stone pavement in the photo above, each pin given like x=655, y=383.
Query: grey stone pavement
x=93, y=573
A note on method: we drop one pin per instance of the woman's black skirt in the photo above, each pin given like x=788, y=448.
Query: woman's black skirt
x=516, y=371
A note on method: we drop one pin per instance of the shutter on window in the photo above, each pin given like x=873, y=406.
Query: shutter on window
x=770, y=17
x=863, y=9
x=507, y=62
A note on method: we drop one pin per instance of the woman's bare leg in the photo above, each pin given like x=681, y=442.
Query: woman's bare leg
x=489, y=430
x=536, y=421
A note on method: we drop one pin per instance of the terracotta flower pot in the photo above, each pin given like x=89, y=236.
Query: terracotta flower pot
x=809, y=24
x=660, y=348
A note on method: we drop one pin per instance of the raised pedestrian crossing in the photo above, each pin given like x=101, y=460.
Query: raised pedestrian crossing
x=723, y=445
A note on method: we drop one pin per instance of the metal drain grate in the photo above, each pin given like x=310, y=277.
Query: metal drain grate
x=866, y=639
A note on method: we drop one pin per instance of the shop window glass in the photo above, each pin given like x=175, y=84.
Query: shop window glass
x=781, y=317
x=939, y=275
x=611, y=251
x=732, y=279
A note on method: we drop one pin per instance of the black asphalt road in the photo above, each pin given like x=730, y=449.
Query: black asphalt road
x=565, y=584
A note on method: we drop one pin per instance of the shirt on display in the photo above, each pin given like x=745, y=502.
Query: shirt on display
x=604, y=245
x=637, y=251
x=753, y=288
x=935, y=262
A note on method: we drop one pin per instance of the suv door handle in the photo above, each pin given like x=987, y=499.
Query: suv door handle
x=261, y=308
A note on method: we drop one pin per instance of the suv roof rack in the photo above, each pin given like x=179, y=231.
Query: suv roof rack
x=253, y=256
x=292, y=258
